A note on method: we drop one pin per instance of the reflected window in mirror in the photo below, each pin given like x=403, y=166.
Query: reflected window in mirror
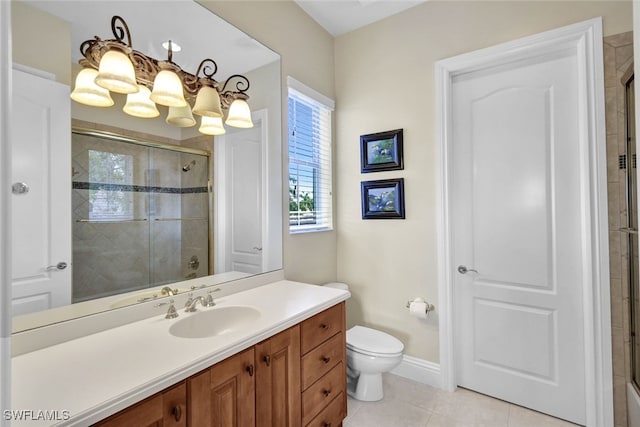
x=112, y=173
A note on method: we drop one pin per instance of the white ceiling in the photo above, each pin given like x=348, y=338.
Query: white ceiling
x=342, y=16
x=200, y=33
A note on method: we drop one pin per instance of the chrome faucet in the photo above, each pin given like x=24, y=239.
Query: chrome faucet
x=168, y=291
x=190, y=306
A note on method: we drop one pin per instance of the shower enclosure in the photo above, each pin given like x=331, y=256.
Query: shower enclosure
x=632, y=230
x=140, y=214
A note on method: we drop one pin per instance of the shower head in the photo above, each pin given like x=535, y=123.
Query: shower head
x=188, y=166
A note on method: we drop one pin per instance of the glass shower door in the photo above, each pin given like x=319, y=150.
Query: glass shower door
x=632, y=213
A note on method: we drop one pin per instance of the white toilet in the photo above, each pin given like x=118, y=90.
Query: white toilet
x=369, y=353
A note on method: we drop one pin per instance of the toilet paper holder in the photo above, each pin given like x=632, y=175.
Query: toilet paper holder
x=429, y=307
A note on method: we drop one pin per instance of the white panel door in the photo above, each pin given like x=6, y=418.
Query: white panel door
x=41, y=216
x=244, y=156
x=518, y=221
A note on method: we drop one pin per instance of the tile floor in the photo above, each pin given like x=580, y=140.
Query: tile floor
x=411, y=404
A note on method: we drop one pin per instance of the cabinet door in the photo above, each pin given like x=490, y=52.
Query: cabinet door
x=224, y=395
x=278, y=380
x=164, y=409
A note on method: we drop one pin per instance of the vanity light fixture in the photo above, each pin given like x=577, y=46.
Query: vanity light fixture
x=113, y=65
x=211, y=126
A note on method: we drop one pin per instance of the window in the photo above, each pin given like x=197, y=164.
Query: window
x=310, y=207
x=111, y=175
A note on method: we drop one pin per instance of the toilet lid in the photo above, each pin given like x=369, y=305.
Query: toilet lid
x=373, y=341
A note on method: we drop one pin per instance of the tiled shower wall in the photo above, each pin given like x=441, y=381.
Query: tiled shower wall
x=618, y=57
x=166, y=226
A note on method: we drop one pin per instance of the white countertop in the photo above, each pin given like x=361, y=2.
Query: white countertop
x=97, y=375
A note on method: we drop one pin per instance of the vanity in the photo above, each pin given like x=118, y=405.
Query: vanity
x=273, y=355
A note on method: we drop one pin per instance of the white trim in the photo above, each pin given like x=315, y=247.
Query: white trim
x=586, y=39
x=34, y=71
x=419, y=370
x=305, y=90
x=5, y=208
x=633, y=406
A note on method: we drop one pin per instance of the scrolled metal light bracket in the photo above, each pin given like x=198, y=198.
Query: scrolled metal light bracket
x=146, y=68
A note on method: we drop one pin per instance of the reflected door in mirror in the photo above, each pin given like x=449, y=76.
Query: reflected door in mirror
x=41, y=230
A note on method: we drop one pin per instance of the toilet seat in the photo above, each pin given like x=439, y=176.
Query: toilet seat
x=372, y=342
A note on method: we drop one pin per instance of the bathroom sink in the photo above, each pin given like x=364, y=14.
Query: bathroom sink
x=215, y=321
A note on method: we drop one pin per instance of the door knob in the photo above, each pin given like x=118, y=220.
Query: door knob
x=59, y=266
x=19, y=188
x=464, y=270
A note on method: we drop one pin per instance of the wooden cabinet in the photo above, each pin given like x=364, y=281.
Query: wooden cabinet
x=278, y=380
x=165, y=409
x=295, y=378
x=258, y=387
x=224, y=395
x=323, y=368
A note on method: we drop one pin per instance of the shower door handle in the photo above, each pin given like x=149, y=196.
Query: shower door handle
x=628, y=230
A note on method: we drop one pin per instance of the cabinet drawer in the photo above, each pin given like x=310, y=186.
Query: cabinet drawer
x=322, y=326
x=332, y=415
x=322, y=359
x=316, y=397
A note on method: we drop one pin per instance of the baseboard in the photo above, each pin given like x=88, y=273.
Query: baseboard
x=420, y=370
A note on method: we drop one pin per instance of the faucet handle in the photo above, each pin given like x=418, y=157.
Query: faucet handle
x=171, y=312
x=209, y=302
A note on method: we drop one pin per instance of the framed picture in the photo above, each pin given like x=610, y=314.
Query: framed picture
x=381, y=151
x=383, y=199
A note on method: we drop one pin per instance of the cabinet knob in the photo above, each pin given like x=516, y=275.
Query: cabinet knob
x=326, y=425
x=324, y=326
x=326, y=392
x=250, y=370
x=326, y=359
x=267, y=360
x=177, y=412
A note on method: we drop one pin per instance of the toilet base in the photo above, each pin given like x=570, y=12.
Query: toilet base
x=366, y=387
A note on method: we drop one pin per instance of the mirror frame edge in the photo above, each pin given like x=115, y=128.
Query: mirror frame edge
x=5, y=176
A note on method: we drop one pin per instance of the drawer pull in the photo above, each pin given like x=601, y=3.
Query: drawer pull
x=326, y=392
x=324, y=326
x=326, y=359
x=267, y=360
x=326, y=425
x=250, y=370
x=177, y=412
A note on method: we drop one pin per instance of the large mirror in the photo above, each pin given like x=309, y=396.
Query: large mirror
x=112, y=210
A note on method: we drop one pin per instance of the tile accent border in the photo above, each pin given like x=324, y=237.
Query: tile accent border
x=136, y=188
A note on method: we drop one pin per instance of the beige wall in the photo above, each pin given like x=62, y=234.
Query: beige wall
x=32, y=44
x=307, y=55
x=385, y=80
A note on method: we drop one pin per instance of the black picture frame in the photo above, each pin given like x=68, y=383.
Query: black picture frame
x=381, y=151
x=382, y=199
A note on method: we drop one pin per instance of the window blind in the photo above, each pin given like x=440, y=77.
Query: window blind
x=310, y=186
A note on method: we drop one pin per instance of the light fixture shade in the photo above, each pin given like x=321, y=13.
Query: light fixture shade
x=139, y=105
x=239, y=114
x=116, y=73
x=167, y=89
x=181, y=117
x=207, y=103
x=211, y=126
x=87, y=92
